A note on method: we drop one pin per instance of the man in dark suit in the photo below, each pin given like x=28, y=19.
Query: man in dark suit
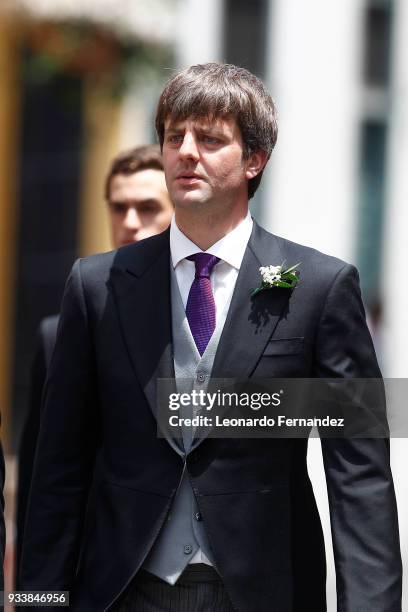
x=209, y=524
x=139, y=206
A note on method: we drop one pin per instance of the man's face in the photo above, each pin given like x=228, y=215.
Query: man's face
x=203, y=162
x=139, y=206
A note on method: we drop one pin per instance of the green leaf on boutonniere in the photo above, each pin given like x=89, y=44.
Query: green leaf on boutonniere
x=291, y=268
x=283, y=284
x=255, y=291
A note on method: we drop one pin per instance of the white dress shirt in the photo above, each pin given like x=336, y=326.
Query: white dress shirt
x=230, y=250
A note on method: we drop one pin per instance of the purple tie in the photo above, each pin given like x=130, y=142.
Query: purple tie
x=200, y=309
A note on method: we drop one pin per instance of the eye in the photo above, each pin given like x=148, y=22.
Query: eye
x=210, y=140
x=118, y=208
x=174, y=139
x=148, y=209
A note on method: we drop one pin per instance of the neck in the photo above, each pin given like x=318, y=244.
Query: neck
x=207, y=229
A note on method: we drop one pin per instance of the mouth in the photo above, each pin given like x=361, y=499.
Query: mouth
x=188, y=178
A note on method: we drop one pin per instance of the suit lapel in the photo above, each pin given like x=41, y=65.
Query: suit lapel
x=141, y=281
x=250, y=321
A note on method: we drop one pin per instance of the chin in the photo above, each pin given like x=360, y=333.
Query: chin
x=187, y=197
x=190, y=199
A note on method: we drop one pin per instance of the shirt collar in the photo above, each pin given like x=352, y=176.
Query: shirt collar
x=230, y=248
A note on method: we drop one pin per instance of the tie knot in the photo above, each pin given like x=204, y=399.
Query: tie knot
x=204, y=263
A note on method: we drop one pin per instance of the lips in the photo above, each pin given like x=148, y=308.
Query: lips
x=188, y=176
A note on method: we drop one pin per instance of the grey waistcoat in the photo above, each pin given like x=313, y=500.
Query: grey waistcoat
x=183, y=533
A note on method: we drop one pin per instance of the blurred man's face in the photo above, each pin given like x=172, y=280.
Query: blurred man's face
x=139, y=206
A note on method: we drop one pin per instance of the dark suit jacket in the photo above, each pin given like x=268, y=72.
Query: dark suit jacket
x=255, y=496
x=46, y=336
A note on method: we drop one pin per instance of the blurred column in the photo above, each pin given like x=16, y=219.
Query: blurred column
x=9, y=137
x=314, y=60
x=101, y=129
x=394, y=282
x=198, y=36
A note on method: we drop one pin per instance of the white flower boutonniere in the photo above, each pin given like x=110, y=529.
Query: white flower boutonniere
x=276, y=276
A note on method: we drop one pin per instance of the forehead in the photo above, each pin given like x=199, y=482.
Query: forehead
x=211, y=123
x=140, y=185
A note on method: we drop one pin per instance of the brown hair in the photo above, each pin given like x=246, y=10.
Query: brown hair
x=222, y=90
x=128, y=162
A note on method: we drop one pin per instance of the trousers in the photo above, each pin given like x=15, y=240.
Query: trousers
x=199, y=589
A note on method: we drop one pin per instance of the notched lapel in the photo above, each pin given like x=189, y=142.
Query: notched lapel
x=251, y=321
x=141, y=283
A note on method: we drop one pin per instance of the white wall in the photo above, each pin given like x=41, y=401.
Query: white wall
x=199, y=32
x=313, y=73
x=395, y=290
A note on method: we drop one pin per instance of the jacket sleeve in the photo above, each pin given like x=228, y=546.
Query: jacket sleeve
x=44, y=347
x=65, y=452
x=363, y=510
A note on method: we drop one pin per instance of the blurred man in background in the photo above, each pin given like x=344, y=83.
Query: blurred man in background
x=136, y=194
x=139, y=207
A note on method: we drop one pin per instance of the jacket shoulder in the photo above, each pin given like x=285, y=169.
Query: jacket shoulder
x=309, y=258
x=131, y=257
x=95, y=272
x=313, y=257
x=317, y=271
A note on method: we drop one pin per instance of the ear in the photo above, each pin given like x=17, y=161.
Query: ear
x=255, y=164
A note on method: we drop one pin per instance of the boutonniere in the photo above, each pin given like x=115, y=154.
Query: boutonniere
x=276, y=276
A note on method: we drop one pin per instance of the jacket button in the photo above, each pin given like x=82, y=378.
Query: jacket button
x=188, y=549
x=198, y=516
x=200, y=377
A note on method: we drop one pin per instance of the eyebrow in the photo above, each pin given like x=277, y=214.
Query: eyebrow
x=199, y=128
x=129, y=201
x=173, y=129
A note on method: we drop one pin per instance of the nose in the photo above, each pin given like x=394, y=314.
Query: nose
x=132, y=220
x=188, y=148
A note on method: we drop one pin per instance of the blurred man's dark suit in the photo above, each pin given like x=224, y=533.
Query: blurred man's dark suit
x=255, y=496
x=46, y=336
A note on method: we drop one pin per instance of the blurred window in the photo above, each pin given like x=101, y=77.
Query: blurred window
x=245, y=34
x=48, y=215
x=245, y=31
x=377, y=44
x=371, y=206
